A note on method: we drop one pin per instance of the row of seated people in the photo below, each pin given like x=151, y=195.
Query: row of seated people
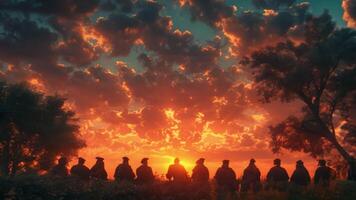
x=225, y=176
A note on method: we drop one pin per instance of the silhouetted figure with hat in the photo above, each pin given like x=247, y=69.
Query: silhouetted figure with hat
x=277, y=177
x=323, y=174
x=60, y=170
x=200, y=179
x=225, y=178
x=300, y=175
x=144, y=173
x=177, y=173
x=178, y=180
x=123, y=172
x=200, y=172
x=80, y=170
x=251, y=178
x=98, y=170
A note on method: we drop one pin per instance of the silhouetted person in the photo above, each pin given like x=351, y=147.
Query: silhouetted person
x=277, y=177
x=60, y=169
x=124, y=172
x=251, y=178
x=225, y=178
x=351, y=176
x=200, y=172
x=98, y=170
x=80, y=170
x=300, y=175
x=200, y=179
x=323, y=174
x=144, y=173
x=177, y=173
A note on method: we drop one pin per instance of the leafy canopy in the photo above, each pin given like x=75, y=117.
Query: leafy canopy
x=319, y=71
x=34, y=129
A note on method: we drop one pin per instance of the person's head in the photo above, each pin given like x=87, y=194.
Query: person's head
x=144, y=161
x=322, y=163
x=100, y=161
x=300, y=163
x=200, y=161
x=277, y=162
x=225, y=163
x=81, y=161
x=176, y=161
x=62, y=161
x=125, y=159
x=252, y=161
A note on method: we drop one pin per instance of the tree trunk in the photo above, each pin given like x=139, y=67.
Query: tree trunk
x=332, y=138
x=341, y=150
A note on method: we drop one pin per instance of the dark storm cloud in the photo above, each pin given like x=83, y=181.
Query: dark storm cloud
x=61, y=18
x=156, y=33
x=121, y=31
x=125, y=5
x=272, y=4
x=248, y=30
x=255, y=29
x=24, y=40
x=76, y=51
x=52, y=49
x=58, y=8
x=25, y=43
x=210, y=11
x=96, y=88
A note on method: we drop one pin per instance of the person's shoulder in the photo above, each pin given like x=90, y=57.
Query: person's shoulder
x=279, y=168
x=181, y=166
x=219, y=169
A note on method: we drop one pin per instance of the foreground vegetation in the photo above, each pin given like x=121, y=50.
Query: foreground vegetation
x=48, y=188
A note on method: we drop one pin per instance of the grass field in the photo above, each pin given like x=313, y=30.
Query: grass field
x=48, y=188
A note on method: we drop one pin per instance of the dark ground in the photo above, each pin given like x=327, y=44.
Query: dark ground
x=48, y=188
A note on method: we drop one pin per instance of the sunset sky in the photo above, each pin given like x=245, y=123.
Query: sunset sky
x=159, y=79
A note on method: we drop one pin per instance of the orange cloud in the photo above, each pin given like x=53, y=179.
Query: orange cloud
x=349, y=15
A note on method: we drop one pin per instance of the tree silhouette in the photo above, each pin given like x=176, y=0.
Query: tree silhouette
x=34, y=129
x=320, y=72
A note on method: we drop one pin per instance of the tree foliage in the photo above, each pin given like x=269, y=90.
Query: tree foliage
x=34, y=129
x=319, y=71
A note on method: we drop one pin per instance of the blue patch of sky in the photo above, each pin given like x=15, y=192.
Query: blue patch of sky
x=333, y=6
x=316, y=7
x=182, y=20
